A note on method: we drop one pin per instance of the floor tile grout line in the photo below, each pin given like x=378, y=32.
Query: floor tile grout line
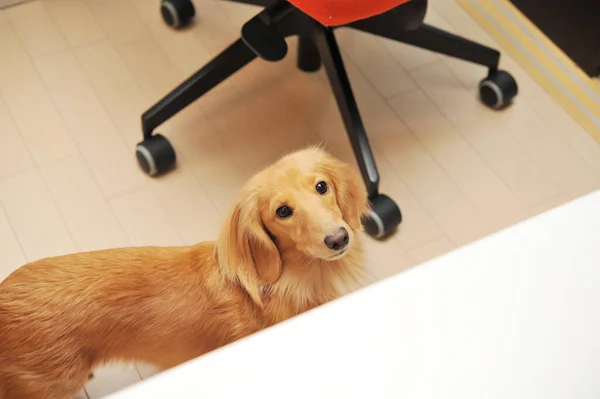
x=95, y=182
x=69, y=46
x=10, y=225
x=465, y=141
x=459, y=131
x=27, y=149
x=13, y=121
x=429, y=242
x=405, y=69
x=51, y=20
x=64, y=122
x=68, y=130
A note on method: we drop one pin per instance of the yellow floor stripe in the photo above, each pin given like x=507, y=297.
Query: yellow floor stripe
x=576, y=92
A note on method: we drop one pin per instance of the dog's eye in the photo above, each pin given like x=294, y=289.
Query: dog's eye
x=284, y=212
x=322, y=187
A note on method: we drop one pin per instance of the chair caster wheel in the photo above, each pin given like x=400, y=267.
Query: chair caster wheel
x=383, y=218
x=155, y=155
x=177, y=13
x=498, y=89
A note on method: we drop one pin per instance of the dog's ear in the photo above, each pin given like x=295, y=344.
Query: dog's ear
x=246, y=253
x=351, y=194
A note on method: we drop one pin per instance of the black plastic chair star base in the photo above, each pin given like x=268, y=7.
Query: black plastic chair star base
x=264, y=37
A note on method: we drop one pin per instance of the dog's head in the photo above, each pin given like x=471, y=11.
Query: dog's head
x=307, y=202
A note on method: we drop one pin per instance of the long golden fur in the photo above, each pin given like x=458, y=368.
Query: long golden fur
x=60, y=317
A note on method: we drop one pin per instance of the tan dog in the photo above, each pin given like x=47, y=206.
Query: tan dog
x=288, y=245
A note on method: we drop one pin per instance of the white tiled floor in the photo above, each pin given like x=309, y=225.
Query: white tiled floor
x=75, y=76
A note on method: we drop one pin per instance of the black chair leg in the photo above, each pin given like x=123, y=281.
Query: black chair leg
x=431, y=38
x=340, y=84
x=220, y=68
x=308, y=55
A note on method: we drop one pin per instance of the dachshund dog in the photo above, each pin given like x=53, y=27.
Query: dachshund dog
x=289, y=244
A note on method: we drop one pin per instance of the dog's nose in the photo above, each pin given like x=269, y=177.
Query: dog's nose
x=337, y=240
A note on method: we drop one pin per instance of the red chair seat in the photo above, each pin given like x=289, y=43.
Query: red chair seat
x=341, y=12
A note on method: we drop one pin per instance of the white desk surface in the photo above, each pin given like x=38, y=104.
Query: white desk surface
x=516, y=315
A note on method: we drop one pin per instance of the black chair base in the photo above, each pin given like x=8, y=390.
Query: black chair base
x=264, y=36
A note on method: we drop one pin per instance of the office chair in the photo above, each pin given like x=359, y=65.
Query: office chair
x=264, y=36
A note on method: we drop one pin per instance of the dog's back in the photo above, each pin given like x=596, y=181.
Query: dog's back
x=59, y=317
